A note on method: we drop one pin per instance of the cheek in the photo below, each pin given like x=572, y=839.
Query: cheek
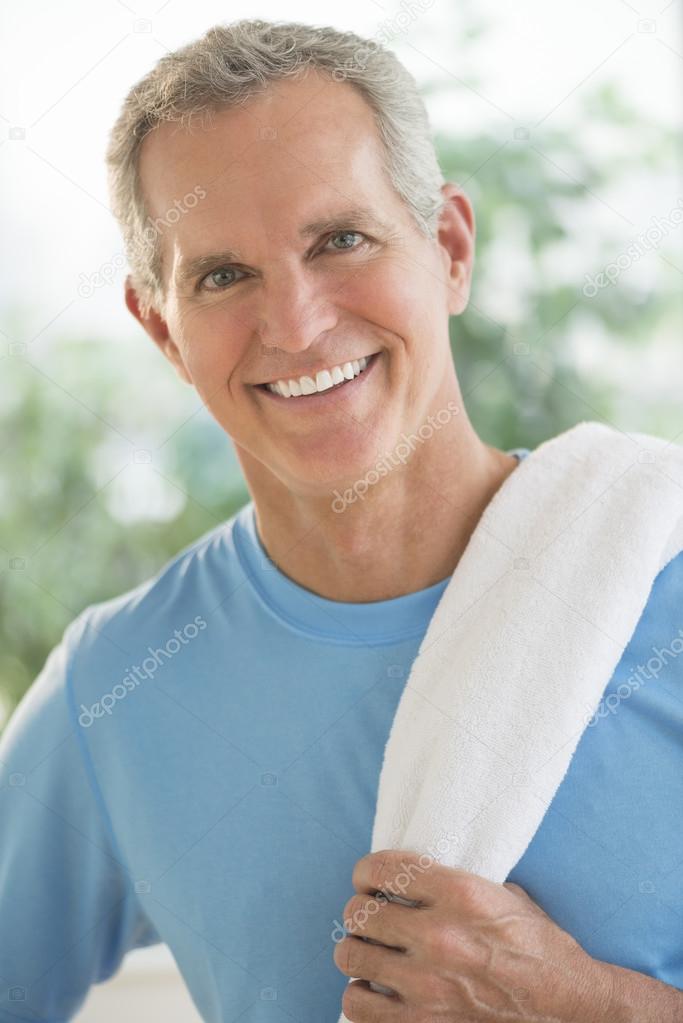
x=397, y=294
x=213, y=345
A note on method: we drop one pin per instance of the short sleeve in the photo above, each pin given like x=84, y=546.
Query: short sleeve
x=68, y=909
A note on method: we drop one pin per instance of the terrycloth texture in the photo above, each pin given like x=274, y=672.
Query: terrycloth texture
x=523, y=642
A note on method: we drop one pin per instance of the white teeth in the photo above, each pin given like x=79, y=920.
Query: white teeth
x=324, y=379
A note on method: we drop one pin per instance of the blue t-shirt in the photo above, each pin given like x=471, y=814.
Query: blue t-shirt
x=197, y=764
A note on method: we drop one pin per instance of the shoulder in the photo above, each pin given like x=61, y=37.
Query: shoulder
x=189, y=578
x=108, y=624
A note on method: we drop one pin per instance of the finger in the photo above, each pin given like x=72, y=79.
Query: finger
x=360, y=1002
x=399, y=873
x=357, y=958
x=385, y=922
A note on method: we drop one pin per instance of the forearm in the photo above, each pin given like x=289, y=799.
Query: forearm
x=637, y=998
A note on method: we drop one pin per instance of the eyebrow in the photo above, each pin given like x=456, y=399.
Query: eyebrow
x=350, y=217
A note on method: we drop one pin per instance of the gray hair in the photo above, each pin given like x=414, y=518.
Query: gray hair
x=231, y=63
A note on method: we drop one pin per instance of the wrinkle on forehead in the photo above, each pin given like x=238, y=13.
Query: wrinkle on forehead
x=316, y=120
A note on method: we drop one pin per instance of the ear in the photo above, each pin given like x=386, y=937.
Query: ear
x=157, y=329
x=456, y=234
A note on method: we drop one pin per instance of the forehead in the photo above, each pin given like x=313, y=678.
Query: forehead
x=299, y=148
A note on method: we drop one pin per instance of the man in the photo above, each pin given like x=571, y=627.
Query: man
x=198, y=762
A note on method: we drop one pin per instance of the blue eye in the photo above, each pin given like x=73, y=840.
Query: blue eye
x=219, y=284
x=345, y=234
x=215, y=274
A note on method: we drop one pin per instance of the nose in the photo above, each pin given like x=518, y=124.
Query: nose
x=295, y=309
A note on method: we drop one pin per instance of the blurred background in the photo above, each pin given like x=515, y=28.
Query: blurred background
x=563, y=124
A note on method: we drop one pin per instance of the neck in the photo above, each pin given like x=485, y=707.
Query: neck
x=407, y=533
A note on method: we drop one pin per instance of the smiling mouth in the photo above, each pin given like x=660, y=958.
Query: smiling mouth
x=307, y=387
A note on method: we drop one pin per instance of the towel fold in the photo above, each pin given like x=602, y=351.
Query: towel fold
x=523, y=643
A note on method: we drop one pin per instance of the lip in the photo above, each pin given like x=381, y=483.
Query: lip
x=331, y=396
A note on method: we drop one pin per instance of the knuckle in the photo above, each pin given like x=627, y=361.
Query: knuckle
x=347, y=956
x=339, y=954
x=379, y=868
x=471, y=894
x=354, y=912
x=514, y=887
x=350, y=1006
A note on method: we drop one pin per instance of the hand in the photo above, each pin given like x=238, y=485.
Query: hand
x=470, y=950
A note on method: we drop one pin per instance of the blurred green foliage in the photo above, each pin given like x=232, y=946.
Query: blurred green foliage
x=73, y=412
x=523, y=375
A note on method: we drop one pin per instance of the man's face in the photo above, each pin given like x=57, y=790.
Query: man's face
x=289, y=304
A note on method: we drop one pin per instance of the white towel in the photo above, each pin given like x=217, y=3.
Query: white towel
x=523, y=643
